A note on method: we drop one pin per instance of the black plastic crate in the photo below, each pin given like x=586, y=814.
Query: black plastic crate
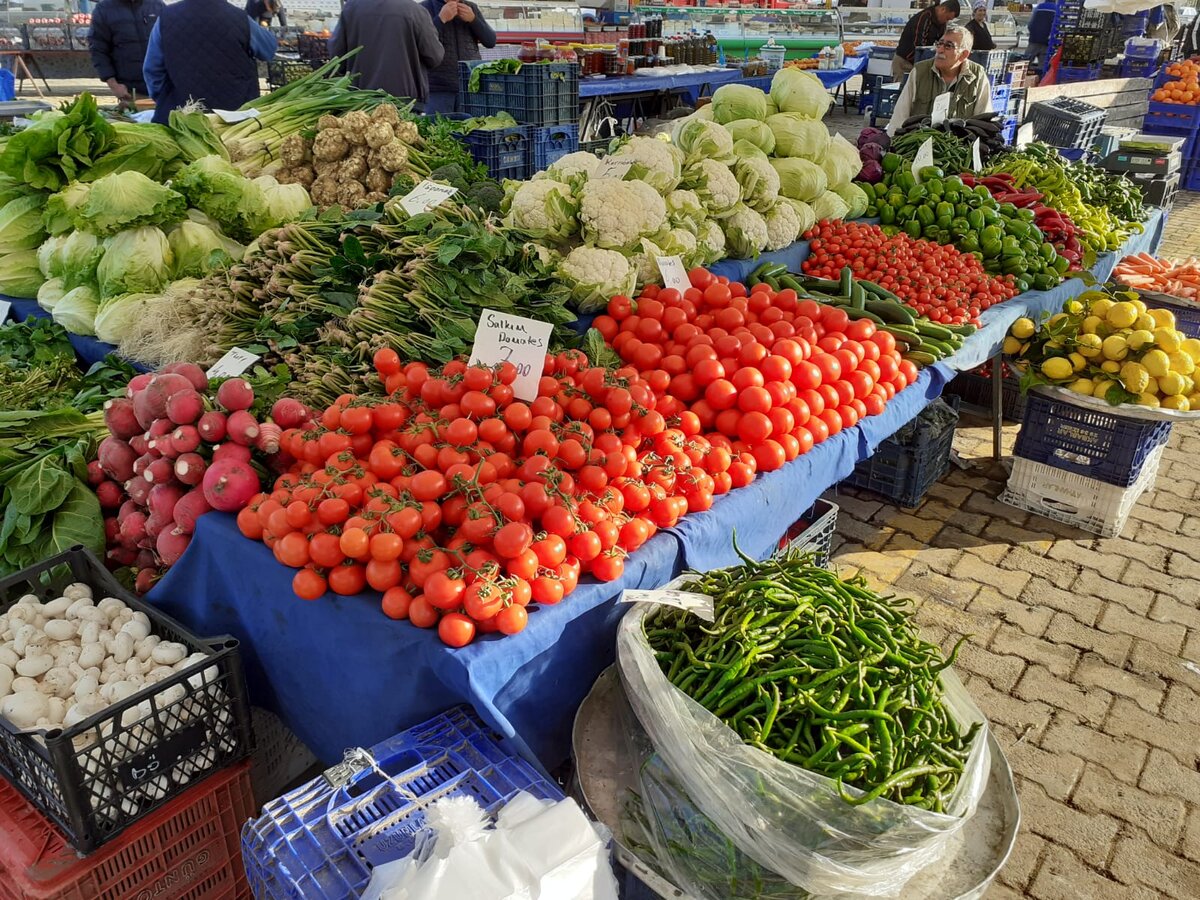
x=1088, y=442
x=975, y=387
x=97, y=777
x=313, y=47
x=504, y=151
x=906, y=465
x=285, y=71
x=1158, y=190
x=813, y=532
x=551, y=143
x=1067, y=123
x=597, y=148
x=539, y=94
x=1083, y=46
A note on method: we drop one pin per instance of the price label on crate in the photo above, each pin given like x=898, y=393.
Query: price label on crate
x=233, y=116
x=5, y=309
x=941, y=109
x=699, y=605
x=924, y=158
x=523, y=342
x=976, y=157
x=233, y=363
x=162, y=758
x=1024, y=135
x=674, y=275
x=425, y=196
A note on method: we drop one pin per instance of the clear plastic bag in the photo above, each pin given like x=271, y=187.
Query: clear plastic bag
x=790, y=820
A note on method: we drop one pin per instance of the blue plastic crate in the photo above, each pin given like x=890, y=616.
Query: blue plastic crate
x=1000, y=95
x=320, y=843
x=1138, y=68
x=1072, y=74
x=1179, y=117
x=504, y=151
x=1186, y=313
x=904, y=468
x=993, y=62
x=1008, y=131
x=549, y=143
x=1088, y=442
x=884, y=103
x=1191, y=181
x=1150, y=51
x=539, y=94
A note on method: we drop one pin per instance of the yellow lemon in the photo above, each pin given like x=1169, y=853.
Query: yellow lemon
x=1194, y=400
x=1176, y=401
x=1078, y=361
x=1157, y=363
x=1023, y=328
x=1074, y=307
x=1148, y=400
x=1101, y=307
x=1189, y=384
x=1055, y=344
x=1191, y=347
x=1011, y=346
x=1055, y=319
x=1122, y=315
x=1163, y=318
x=1135, y=377
x=1081, y=386
x=1145, y=323
x=1167, y=339
x=1139, y=339
x=1114, y=347
x=1138, y=305
x=1182, y=363
x=1090, y=324
x=1111, y=366
x=1089, y=345
x=1171, y=384
x=1057, y=368
x=1109, y=387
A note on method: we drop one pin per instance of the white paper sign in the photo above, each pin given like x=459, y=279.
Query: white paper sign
x=941, y=109
x=976, y=157
x=700, y=605
x=924, y=158
x=233, y=116
x=1025, y=135
x=615, y=167
x=425, y=196
x=674, y=275
x=233, y=363
x=5, y=309
x=515, y=339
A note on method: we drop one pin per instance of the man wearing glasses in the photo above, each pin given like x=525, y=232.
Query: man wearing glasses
x=949, y=72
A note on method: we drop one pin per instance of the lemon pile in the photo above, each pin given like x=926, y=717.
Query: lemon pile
x=1112, y=347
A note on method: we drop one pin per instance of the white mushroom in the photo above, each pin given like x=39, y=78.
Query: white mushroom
x=78, y=591
x=139, y=631
x=58, y=710
x=158, y=673
x=92, y=655
x=9, y=656
x=122, y=648
x=34, y=665
x=111, y=607
x=168, y=653
x=89, y=633
x=85, y=686
x=146, y=646
x=66, y=653
x=135, y=666
x=21, y=683
x=92, y=614
x=60, y=681
x=82, y=709
x=57, y=608
x=60, y=629
x=24, y=709
x=78, y=606
x=6, y=680
x=29, y=638
x=21, y=612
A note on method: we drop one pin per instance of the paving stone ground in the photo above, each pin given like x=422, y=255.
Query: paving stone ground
x=1085, y=654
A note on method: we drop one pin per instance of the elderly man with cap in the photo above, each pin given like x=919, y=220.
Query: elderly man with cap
x=949, y=72
x=979, y=29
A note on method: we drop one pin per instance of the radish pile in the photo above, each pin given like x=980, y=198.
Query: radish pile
x=176, y=450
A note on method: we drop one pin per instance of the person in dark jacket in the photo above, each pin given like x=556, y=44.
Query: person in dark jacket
x=978, y=27
x=462, y=29
x=1041, y=23
x=399, y=46
x=204, y=50
x=263, y=11
x=118, y=39
x=922, y=30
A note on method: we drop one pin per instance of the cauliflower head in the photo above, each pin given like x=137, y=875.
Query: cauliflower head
x=745, y=232
x=645, y=263
x=714, y=184
x=654, y=208
x=545, y=209
x=710, y=243
x=804, y=212
x=595, y=276
x=567, y=167
x=783, y=226
x=613, y=214
x=684, y=207
x=655, y=162
x=759, y=181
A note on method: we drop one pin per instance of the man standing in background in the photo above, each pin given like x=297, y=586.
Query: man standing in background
x=922, y=30
x=1041, y=23
x=119, y=36
x=399, y=46
x=462, y=30
x=263, y=11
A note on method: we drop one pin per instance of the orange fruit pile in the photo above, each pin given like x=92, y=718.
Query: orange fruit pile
x=1185, y=88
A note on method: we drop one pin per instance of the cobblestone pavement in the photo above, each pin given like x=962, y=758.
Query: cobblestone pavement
x=1085, y=655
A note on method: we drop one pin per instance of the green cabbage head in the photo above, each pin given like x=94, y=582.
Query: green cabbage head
x=794, y=90
x=135, y=261
x=738, y=101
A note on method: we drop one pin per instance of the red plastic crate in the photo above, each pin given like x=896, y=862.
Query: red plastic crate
x=189, y=849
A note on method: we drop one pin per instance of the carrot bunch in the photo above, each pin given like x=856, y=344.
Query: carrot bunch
x=1145, y=272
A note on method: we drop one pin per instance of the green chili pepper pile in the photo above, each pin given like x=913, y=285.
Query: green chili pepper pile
x=949, y=152
x=820, y=672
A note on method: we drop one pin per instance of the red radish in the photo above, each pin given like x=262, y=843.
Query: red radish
x=138, y=383
x=160, y=471
x=190, y=507
x=231, y=451
x=142, y=463
x=191, y=372
x=128, y=507
x=243, y=428
x=171, y=544
x=268, y=437
x=229, y=485
x=163, y=446
x=290, y=412
x=117, y=458
x=96, y=474
x=109, y=494
x=159, y=427
x=185, y=439
x=133, y=529
x=146, y=560
x=119, y=417
x=155, y=525
x=151, y=403
x=185, y=407
x=235, y=394
x=112, y=530
x=212, y=427
x=122, y=556
x=145, y=580
x=189, y=468
x=138, y=490
x=163, y=498
x=140, y=443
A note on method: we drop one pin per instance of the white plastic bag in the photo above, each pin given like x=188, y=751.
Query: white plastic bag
x=787, y=819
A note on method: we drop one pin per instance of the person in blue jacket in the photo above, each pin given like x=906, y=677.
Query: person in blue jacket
x=1041, y=23
x=119, y=35
x=204, y=50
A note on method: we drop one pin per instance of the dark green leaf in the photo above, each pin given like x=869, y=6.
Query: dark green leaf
x=78, y=521
x=41, y=486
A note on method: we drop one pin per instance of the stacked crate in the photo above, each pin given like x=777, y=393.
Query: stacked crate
x=1179, y=120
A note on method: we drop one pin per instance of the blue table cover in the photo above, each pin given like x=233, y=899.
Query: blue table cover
x=636, y=84
x=340, y=674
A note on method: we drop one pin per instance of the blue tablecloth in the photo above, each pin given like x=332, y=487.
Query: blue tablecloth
x=636, y=84
x=88, y=349
x=831, y=78
x=339, y=673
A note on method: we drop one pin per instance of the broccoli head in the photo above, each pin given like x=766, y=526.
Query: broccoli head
x=484, y=195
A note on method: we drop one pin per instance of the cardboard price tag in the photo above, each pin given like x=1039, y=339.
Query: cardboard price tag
x=1024, y=135
x=700, y=605
x=923, y=158
x=674, y=275
x=233, y=116
x=425, y=196
x=941, y=109
x=233, y=363
x=614, y=167
x=523, y=342
x=976, y=157
x=5, y=309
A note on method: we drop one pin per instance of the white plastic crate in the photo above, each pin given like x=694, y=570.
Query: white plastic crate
x=1085, y=503
x=280, y=759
